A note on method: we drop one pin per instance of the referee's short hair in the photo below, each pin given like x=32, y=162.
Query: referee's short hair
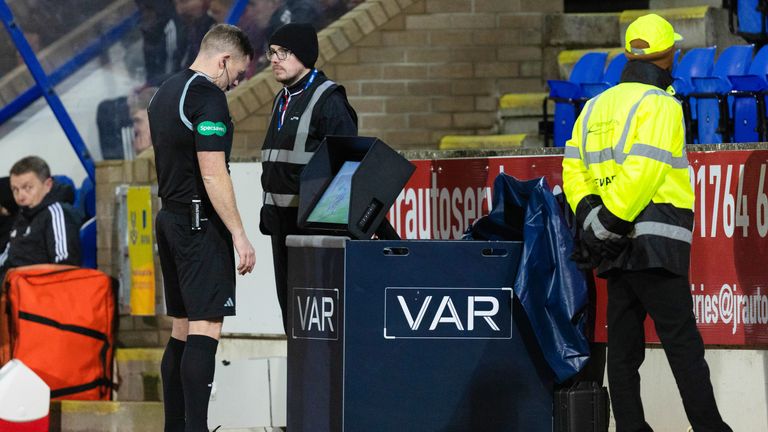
x=226, y=37
x=33, y=164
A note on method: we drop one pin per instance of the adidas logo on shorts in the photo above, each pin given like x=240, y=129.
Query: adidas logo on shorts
x=229, y=303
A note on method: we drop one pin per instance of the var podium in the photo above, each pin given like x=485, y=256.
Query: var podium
x=410, y=336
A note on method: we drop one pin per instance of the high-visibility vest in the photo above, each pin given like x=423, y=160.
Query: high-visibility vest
x=286, y=151
x=628, y=147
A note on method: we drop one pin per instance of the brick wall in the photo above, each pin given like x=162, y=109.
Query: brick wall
x=417, y=70
x=149, y=331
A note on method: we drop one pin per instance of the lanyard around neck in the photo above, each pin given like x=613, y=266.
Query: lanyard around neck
x=286, y=99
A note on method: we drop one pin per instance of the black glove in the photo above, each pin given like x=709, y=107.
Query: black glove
x=613, y=247
x=593, y=244
x=586, y=248
x=589, y=250
x=608, y=249
x=585, y=207
x=584, y=260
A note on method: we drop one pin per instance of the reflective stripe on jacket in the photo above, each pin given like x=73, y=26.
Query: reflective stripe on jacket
x=628, y=147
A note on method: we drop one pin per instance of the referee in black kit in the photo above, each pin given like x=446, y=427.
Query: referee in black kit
x=199, y=222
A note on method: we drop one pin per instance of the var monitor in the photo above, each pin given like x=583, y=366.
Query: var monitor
x=333, y=206
x=349, y=185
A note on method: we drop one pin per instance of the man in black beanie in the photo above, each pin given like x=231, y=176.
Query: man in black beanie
x=306, y=110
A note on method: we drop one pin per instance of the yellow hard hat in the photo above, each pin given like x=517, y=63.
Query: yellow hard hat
x=655, y=31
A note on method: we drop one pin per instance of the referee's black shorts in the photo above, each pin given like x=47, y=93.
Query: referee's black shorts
x=198, y=267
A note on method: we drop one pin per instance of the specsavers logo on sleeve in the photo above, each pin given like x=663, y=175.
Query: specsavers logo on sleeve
x=209, y=128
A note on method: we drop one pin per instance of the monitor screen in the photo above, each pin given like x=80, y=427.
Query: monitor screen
x=333, y=205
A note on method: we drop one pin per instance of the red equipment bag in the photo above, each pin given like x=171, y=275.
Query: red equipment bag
x=61, y=322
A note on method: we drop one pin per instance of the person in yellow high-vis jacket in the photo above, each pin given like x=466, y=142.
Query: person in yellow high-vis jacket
x=625, y=175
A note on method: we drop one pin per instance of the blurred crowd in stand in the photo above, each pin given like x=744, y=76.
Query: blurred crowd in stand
x=43, y=23
x=172, y=29
x=170, y=33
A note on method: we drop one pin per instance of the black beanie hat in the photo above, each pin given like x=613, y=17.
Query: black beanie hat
x=301, y=39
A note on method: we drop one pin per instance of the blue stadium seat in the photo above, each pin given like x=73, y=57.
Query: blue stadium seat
x=614, y=69
x=568, y=95
x=88, y=244
x=695, y=63
x=65, y=180
x=713, y=109
x=86, y=199
x=610, y=79
x=751, y=20
x=749, y=100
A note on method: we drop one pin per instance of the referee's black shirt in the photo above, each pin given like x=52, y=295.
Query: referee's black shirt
x=188, y=114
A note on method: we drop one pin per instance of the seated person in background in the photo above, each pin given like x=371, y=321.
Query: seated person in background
x=162, y=42
x=331, y=10
x=253, y=22
x=142, y=141
x=293, y=11
x=219, y=10
x=46, y=230
x=195, y=24
x=8, y=211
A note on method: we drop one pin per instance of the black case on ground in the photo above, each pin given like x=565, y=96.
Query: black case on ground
x=582, y=407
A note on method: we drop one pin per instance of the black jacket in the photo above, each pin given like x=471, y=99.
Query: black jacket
x=332, y=115
x=48, y=233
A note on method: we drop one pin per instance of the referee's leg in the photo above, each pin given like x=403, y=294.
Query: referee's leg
x=170, y=366
x=197, y=367
x=170, y=370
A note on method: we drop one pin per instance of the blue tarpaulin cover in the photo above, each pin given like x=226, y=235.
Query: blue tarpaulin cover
x=551, y=289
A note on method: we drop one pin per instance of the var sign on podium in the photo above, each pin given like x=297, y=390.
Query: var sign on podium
x=410, y=336
x=458, y=313
x=315, y=316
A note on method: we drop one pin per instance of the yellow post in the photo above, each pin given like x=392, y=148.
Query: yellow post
x=140, y=250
